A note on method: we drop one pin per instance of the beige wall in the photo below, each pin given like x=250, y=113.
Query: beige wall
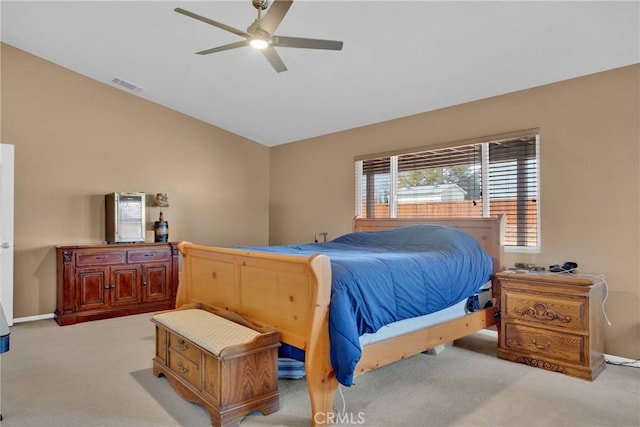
x=77, y=139
x=72, y=133
x=590, y=178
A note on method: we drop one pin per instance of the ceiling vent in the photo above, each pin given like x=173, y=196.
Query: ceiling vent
x=127, y=85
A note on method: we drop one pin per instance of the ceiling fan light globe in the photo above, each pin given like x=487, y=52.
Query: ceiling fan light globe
x=259, y=43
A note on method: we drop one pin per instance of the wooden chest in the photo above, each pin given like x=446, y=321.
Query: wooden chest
x=553, y=322
x=219, y=361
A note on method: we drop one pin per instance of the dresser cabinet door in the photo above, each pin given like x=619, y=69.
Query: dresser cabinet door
x=155, y=282
x=125, y=285
x=92, y=288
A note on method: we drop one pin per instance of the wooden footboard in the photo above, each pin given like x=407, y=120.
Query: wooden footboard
x=288, y=293
x=292, y=295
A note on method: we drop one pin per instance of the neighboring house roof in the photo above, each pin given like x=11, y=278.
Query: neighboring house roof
x=431, y=193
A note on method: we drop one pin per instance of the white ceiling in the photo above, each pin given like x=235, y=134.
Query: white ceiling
x=399, y=58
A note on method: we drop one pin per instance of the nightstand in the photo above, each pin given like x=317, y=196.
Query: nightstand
x=553, y=321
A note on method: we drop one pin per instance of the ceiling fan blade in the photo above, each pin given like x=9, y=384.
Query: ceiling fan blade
x=283, y=41
x=274, y=59
x=275, y=15
x=212, y=22
x=224, y=47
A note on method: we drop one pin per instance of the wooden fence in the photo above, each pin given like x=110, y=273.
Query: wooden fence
x=466, y=208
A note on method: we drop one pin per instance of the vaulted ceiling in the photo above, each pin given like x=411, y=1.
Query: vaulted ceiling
x=399, y=58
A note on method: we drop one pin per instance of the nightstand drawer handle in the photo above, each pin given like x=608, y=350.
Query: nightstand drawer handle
x=546, y=346
x=182, y=369
x=182, y=346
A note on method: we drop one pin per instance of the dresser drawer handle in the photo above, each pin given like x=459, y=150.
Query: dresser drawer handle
x=182, y=345
x=149, y=254
x=182, y=369
x=544, y=347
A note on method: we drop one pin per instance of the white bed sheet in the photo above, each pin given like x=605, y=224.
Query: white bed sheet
x=415, y=323
x=294, y=369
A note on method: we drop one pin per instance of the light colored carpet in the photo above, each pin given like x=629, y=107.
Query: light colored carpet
x=99, y=374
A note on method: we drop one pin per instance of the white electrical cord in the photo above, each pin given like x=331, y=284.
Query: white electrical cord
x=344, y=403
x=599, y=278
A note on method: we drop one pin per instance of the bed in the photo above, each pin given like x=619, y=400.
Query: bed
x=292, y=292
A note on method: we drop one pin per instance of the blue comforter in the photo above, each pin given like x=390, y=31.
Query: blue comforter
x=385, y=276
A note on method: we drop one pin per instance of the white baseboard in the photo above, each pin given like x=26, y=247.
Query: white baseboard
x=488, y=332
x=617, y=360
x=33, y=318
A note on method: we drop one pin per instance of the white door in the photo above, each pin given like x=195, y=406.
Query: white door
x=6, y=230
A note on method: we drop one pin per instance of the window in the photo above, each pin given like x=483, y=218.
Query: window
x=482, y=178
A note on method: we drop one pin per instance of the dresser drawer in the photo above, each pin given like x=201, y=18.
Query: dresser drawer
x=556, y=345
x=184, y=368
x=546, y=309
x=148, y=255
x=99, y=258
x=184, y=347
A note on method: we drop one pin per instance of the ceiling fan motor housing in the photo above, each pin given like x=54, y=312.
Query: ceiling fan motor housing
x=260, y=4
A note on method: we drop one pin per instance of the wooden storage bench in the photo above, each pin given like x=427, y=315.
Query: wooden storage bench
x=218, y=360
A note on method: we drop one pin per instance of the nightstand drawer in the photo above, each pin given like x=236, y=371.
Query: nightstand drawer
x=544, y=309
x=556, y=345
x=185, y=368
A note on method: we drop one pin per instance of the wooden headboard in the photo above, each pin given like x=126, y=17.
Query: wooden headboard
x=489, y=232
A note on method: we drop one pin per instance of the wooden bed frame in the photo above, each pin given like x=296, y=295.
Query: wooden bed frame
x=292, y=295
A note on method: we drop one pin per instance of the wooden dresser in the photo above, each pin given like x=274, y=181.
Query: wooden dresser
x=553, y=321
x=102, y=281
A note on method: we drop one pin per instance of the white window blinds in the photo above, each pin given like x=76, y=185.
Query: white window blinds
x=479, y=179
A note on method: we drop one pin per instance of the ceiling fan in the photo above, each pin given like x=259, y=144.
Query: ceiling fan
x=261, y=33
